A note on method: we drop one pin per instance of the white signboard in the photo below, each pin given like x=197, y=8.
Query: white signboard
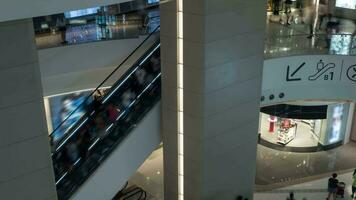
x=313, y=77
x=349, y=4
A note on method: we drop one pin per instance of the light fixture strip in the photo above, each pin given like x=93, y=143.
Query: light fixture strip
x=180, y=95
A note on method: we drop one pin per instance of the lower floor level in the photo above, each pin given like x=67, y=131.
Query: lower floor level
x=276, y=172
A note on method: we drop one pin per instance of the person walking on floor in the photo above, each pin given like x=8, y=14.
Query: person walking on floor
x=291, y=196
x=353, y=185
x=332, y=187
x=276, y=7
x=239, y=197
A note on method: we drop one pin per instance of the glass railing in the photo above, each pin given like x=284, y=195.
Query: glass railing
x=302, y=44
x=108, y=120
x=100, y=29
x=68, y=125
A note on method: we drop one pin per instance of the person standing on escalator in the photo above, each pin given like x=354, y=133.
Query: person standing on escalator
x=112, y=113
x=96, y=104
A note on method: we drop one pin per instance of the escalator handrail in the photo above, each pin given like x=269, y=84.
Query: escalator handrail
x=102, y=83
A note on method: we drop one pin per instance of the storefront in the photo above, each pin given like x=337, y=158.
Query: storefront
x=303, y=128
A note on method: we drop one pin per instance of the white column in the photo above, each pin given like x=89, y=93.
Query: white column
x=353, y=126
x=223, y=59
x=26, y=168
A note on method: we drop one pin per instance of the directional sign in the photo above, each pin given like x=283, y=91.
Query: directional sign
x=323, y=70
x=319, y=77
x=351, y=73
x=290, y=77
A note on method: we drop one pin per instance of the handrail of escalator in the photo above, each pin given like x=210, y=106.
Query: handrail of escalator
x=86, y=100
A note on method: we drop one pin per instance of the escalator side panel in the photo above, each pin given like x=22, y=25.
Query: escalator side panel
x=133, y=150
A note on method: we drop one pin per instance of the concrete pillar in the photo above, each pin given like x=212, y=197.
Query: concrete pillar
x=223, y=59
x=353, y=127
x=26, y=168
x=168, y=10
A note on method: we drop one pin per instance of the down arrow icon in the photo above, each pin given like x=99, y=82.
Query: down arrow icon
x=290, y=77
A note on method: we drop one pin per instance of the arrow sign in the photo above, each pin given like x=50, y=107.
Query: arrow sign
x=290, y=77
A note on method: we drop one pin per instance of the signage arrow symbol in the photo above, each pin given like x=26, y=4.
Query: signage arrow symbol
x=290, y=77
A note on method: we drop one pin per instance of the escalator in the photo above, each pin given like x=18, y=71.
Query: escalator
x=108, y=118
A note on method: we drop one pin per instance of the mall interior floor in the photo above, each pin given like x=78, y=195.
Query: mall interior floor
x=285, y=168
x=311, y=190
x=275, y=169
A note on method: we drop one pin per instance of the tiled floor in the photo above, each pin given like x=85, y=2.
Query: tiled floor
x=286, y=167
x=282, y=40
x=306, y=172
x=313, y=190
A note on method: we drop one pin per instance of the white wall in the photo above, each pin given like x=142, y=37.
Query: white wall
x=20, y=9
x=125, y=160
x=82, y=66
x=26, y=166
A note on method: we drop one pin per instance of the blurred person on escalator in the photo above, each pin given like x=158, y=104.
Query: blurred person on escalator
x=127, y=97
x=96, y=103
x=73, y=151
x=112, y=113
x=84, y=143
x=155, y=63
x=140, y=75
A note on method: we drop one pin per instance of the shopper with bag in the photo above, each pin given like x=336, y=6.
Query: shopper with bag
x=332, y=186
